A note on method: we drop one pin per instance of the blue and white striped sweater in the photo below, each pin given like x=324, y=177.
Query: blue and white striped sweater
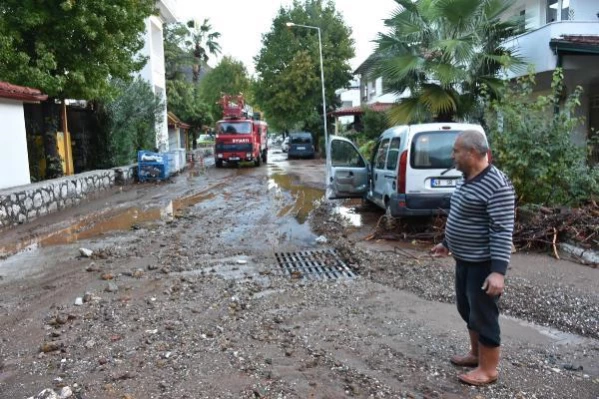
x=481, y=220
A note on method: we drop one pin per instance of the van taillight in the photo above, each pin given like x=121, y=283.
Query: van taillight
x=489, y=156
x=403, y=166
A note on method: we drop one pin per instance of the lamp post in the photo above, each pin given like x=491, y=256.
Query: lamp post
x=324, y=104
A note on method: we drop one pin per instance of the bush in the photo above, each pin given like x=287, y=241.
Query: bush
x=374, y=123
x=367, y=149
x=531, y=137
x=126, y=123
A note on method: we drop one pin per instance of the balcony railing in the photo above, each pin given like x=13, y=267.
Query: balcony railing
x=533, y=46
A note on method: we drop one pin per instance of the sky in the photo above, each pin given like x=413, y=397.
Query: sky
x=242, y=23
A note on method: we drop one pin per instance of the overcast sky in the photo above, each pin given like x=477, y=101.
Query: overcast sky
x=242, y=23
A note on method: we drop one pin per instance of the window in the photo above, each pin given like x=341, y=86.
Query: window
x=558, y=10
x=381, y=155
x=521, y=15
x=235, y=127
x=344, y=154
x=300, y=139
x=393, y=154
x=432, y=150
x=565, y=10
x=551, y=11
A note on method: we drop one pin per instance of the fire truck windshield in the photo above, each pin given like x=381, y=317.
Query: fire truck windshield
x=235, y=127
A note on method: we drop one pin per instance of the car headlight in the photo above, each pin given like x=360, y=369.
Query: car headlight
x=220, y=155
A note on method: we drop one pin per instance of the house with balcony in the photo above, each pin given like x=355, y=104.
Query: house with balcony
x=564, y=34
x=154, y=70
x=365, y=91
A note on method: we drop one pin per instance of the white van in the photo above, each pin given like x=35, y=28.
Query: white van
x=411, y=172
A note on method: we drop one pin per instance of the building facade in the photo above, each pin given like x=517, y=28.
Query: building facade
x=562, y=34
x=154, y=70
x=14, y=160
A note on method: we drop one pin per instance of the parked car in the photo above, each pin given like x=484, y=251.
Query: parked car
x=285, y=145
x=301, y=145
x=411, y=172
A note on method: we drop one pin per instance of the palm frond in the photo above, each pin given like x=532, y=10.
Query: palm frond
x=447, y=74
x=408, y=5
x=494, y=85
x=461, y=48
x=493, y=9
x=405, y=24
x=437, y=99
x=408, y=110
x=457, y=12
x=400, y=66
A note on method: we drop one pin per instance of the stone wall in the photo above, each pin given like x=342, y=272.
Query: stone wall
x=25, y=203
x=125, y=175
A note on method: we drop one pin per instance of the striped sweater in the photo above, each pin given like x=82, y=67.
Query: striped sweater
x=481, y=220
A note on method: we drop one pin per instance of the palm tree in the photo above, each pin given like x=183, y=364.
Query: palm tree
x=445, y=52
x=204, y=43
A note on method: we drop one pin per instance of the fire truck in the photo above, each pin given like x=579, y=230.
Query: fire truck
x=241, y=136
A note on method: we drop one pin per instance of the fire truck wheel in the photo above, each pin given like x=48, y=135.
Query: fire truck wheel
x=219, y=163
x=265, y=156
x=258, y=161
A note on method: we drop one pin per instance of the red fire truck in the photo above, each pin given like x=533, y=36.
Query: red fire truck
x=240, y=136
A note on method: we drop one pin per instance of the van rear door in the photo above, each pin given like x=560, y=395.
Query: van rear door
x=347, y=173
x=430, y=165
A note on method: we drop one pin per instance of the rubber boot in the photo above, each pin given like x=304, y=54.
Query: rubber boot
x=471, y=358
x=486, y=372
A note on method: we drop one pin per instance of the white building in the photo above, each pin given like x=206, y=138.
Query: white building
x=154, y=70
x=14, y=160
x=348, y=97
x=372, y=89
x=563, y=33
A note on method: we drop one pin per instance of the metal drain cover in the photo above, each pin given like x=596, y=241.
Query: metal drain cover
x=314, y=265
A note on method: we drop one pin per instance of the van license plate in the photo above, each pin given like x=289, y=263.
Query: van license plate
x=443, y=182
x=301, y=148
x=234, y=159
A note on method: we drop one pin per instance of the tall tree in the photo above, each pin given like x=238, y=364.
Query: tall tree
x=184, y=100
x=183, y=96
x=288, y=87
x=444, y=52
x=229, y=76
x=178, y=52
x=204, y=43
x=70, y=49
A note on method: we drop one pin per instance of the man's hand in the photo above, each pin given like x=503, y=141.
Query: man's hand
x=439, y=250
x=494, y=284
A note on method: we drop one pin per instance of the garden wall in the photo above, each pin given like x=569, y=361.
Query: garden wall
x=23, y=204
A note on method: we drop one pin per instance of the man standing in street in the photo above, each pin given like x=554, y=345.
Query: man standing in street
x=478, y=234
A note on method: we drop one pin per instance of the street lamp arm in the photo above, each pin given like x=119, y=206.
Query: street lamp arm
x=302, y=26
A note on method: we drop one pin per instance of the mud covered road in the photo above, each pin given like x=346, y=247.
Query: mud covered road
x=193, y=291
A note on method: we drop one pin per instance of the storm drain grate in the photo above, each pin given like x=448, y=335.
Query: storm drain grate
x=314, y=265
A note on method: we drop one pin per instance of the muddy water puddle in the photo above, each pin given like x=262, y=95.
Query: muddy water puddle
x=305, y=200
x=100, y=224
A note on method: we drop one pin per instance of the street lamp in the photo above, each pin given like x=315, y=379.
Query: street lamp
x=324, y=103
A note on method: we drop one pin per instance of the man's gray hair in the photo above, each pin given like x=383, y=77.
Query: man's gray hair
x=474, y=140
